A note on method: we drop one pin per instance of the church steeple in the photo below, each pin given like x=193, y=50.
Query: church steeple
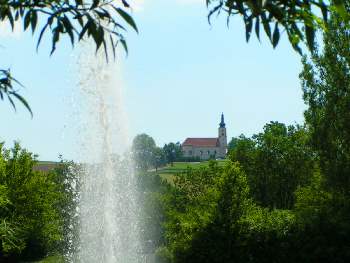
x=222, y=138
x=222, y=123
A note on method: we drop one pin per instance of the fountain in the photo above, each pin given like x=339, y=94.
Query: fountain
x=108, y=212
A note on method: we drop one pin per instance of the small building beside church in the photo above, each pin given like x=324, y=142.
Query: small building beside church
x=207, y=148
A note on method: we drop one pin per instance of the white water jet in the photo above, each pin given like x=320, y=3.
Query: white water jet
x=108, y=200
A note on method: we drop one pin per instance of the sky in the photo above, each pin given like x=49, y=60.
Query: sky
x=179, y=76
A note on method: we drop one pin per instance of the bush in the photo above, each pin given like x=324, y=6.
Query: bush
x=30, y=223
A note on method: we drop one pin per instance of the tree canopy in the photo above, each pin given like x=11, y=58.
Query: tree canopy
x=299, y=19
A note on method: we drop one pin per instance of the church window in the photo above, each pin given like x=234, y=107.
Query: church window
x=208, y=152
x=190, y=152
x=201, y=152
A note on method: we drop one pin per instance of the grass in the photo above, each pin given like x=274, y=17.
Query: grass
x=169, y=172
x=52, y=259
x=49, y=259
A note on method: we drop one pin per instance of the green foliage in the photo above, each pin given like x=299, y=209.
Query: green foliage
x=299, y=19
x=30, y=224
x=211, y=217
x=52, y=259
x=159, y=158
x=326, y=85
x=8, y=90
x=101, y=20
x=143, y=148
x=232, y=144
x=276, y=162
x=172, y=152
x=284, y=197
x=147, y=155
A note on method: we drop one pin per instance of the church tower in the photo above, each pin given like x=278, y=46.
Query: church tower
x=222, y=138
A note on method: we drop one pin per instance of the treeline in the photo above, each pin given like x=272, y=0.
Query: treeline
x=283, y=195
x=148, y=155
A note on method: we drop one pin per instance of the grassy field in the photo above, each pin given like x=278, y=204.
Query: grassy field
x=52, y=259
x=49, y=259
x=169, y=172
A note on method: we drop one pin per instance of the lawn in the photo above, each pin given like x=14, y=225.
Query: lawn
x=169, y=172
x=49, y=259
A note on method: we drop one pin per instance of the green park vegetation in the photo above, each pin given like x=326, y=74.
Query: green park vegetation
x=170, y=171
x=34, y=206
x=282, y=195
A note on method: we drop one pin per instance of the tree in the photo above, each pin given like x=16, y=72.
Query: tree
x=30, y=222
x=299, y=19
x=143, y=149
x=326, y=85
x=276, y=161
x=101, y=20
x=232, y=144
x=172, y=152
x=159, y=158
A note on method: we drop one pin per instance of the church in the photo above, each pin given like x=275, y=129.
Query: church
x=207, y=148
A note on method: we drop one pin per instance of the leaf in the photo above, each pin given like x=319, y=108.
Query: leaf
x=341, y=9
x=248, y=27
x=294, y=40
x=34, y=20
x=95, y=4
x=23, y=101
x=11, y=101
x=16, y=15
x=69, y=28
x=127, y=18
x=310, y=37
x=257, y=28
x=55, y=38
x=125, y=4
x=27, y=20
x=101, y=14
x=266, y=25
x=98, y=36
x=125, y=46
x=105, y=49
x=113, y=46
x=85, y=28
x=40, y=36
x=214, y=10
x=10, y=17
x=276, y=36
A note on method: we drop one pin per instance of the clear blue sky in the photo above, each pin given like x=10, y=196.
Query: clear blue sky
x=181, y=73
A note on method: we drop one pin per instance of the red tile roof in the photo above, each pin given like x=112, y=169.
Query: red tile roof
x=201, y=142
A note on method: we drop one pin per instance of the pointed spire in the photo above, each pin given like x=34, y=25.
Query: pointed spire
x=222, y=123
